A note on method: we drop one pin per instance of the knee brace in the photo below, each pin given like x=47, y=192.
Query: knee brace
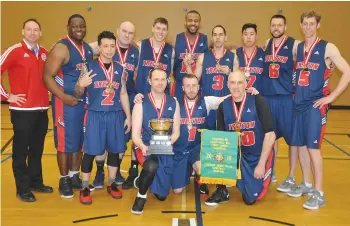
x=86, y=165
x=113, y=159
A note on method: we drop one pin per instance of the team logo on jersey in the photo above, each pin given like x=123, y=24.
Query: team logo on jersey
x=170, y=109
x=286, y=47
x=26, y=55
x=253, y=70
x=201, y=44
x=261, y=59
x=165, y=55
x=317, y=53
x=280, y=59
x=116, y=72
x=200, y=108
x=132, y=56
x=310, y=65
x=197, y=121
x=243, y=125
x=248, y=110
x=228, y=60
x=43, y=56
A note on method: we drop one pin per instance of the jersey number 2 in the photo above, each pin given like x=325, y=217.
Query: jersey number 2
x=251, y=81
x=108, y=100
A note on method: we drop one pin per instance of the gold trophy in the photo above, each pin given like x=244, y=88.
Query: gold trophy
x=160, y=143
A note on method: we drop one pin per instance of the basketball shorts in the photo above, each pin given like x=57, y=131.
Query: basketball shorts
x=309, y=127
x=104, y=131
x=282, y=113
x=254, y=189
x=182, y=167
x=162, y=180
x=68, y=125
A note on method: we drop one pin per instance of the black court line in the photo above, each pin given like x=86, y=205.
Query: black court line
x=95, y=218
x=270, y=220
x=7, y=144
x=179, y=211
x=198, y=204
x=6, y=129
x=337, y=147
x=5, y=159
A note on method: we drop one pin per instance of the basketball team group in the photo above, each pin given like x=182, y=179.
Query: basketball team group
x=106, y=92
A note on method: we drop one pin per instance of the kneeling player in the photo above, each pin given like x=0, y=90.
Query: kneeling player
x=104, y=118
x=250, y=115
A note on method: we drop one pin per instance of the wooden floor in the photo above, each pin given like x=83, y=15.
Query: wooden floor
x=51, y=209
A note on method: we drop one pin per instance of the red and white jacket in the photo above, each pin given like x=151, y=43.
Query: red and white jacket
x=25, y=71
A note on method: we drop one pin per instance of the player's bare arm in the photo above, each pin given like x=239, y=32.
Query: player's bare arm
x=176, y=124
x=333, y=55
x=199, y=66
x=137, y=117
x=84, y=81
x=58, y=56
x=295, y=47
x=268, y=142
x=236, y=61
x=124, y=99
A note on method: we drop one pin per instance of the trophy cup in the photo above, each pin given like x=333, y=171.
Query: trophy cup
x=160, y=143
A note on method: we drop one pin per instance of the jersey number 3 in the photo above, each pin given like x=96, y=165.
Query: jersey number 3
x=219, y=82
x=108, y=100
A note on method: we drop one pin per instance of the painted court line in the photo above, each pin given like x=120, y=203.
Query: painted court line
x=336, y=147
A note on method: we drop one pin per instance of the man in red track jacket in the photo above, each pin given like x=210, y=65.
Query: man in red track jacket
x=29, y=103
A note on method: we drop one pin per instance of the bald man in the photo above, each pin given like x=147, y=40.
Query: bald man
x=126, y=55
x=251, y=116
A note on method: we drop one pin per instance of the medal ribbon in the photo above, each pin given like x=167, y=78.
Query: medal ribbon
x=81, y=52
x=238, y=113
x=307, y=58
x=275, y=52
x=162, y=105
x=218, y=60
x=122, y=58
x=156, y=56
x=191, y=50
x=110, y=73
x=189, y=111
x=249, y=62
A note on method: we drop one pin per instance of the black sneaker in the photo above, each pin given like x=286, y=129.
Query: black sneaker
x=203, y=189
x=65, y=187
x=221, y=195
x=129, y=182
x=76, y=181
x=138, y=206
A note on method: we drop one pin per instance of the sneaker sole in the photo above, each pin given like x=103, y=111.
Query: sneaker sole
x=313, y=208
x=136, y=212
x=283, y=190
x=86, y=203
x=135, y=186
x=119, y=182
x=99, y=186
x=67, y=196
x=214, y=204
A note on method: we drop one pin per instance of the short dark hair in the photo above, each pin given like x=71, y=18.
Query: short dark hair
x=156, y=69
x=161, y=20
x=249, y=25
x=279, y=16
x=75, y=16
x=212, y=31
x=31, y=20
x=106, y=34
x=189, y=76
x=195, y=12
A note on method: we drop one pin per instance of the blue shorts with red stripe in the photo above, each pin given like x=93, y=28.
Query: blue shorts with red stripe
x=68, y=125
x=162, y=180
x=309, y=127
x=183, y=162
x=282, y=114
x=254, y=189
x=104, y=131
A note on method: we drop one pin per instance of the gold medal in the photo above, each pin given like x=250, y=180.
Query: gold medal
x=238, y=126
x=156, y=65
x=273, y=66
x=189, y=126
x=110, y=88
x=247, y=74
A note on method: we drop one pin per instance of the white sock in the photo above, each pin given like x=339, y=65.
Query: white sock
x=321, y=193
x=72, y=173
x=141, y=196
x=64, y=176
x=309, y=185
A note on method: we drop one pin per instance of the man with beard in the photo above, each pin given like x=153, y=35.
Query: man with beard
x=278, y=89
x=251, y=57
x=66, y=61
x=191, y=43
x=212, y=69
x=126, y=55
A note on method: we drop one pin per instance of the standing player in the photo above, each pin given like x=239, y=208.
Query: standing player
x=252, y=116
x=156, y=169
x=278, y=88
x=191, y=43
x=126, y=55
x=251, y=57
x=62, y=69
x=212, y=69
x=312, y=96
x=154, y=53
x=104, y=118
x=29, y=103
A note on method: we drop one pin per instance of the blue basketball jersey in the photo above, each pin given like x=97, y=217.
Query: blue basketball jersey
x=190, y=138
x=313, y=83
x=278, y=76
x=150, y=113
x=255, y=68
x=147, y=63
x=181, y=45
x=213, y=82
x=253, y=134
x=132, y=60
x=68, y=75
x=99, y=99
